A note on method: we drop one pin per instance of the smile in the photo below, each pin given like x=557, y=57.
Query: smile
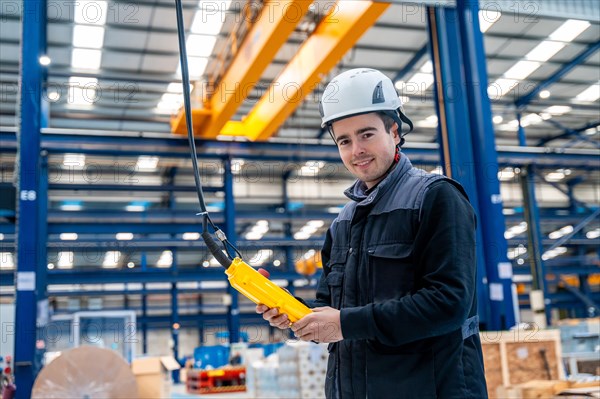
x=363, y=163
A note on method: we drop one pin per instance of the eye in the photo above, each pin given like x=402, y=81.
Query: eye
x=343, y=142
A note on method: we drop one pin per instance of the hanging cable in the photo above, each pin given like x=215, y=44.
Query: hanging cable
x=248, y=281
x=213, y=247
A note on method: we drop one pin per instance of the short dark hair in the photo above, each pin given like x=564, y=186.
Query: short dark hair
x=387, y=120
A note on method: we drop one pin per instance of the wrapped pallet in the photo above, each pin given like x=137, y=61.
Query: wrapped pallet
x=86, y=372
x=302, y=370
x=264, y=378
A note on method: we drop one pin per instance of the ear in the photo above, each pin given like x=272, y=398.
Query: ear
x=395, y=134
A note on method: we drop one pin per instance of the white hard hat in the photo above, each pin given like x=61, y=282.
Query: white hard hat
x=360, y=91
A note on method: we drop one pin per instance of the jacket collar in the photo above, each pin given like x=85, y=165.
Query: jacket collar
x=358, y=192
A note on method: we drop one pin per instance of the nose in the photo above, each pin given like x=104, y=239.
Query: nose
x=357, y=148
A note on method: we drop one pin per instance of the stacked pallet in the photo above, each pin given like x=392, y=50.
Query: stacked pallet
x=263, y=378
x=302, y=370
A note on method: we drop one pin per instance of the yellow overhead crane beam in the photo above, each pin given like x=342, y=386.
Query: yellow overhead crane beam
x=274, y=24
x=336, y=34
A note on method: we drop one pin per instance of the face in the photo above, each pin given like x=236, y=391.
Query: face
x=365, y=147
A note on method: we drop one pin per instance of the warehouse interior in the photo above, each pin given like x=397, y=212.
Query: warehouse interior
x=99, y=231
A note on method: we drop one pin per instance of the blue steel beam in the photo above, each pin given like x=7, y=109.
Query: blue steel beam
x=153, y=291
x=166, y=216
x=287, y=227
x=568, y=132
x=568, y=193
x=129, y=187
x=102, y=276
x=144, y=323
x=576, y=229
x=534, y=233
x=233, y=311
x=192, y=321
x=578, y=139
x=175, y=325
x=558, y=269
x=156, y=227
x=30, y=244
x=592, y=307
x=560, y=300
x=286, y=153
x=556, y=76
x=548, y=242
x=486, y=157
x=531, y=213
x=454, y=134
x=410, y=65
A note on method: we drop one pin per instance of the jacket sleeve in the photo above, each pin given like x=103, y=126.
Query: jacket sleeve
x=444, y=255
x=322, y=294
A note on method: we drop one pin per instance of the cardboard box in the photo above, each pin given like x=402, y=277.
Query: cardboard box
x=153, y=376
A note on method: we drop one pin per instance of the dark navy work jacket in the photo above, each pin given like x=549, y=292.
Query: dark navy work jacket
x=399, y=261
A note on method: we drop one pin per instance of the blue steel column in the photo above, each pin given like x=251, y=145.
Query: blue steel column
x=145, y=318
x=174, y=271
x=233, y=313
x=289, y=252
x=534, y=231
x=175, y=314
x=175, y=328
x=486, y=157
x=452, y=116
x=29, y=240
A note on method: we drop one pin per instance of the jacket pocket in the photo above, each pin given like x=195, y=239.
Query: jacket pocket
x=335, y=282
x=391, y=270
x=400, y=376
x=335, y=278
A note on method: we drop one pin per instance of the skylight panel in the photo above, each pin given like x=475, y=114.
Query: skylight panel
x=590, y=94
x=557, y=109
x=111, y=259
x=544, y=51
x=487, y=18
x=569, y=30
x=6, y=261
x=196, y=67
x=521, y=70
x=165, y=260
x=176, y=87
x=65, y=260
x=500, y=87
x=83, y=91
x=207, y=23
x=200, y=45
x=86, y=58
x=147, y=163
x=88, y=36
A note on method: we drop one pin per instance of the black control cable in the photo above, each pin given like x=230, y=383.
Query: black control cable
x=224, y=258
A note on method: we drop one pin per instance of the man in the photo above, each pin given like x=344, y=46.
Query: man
x=396, y=300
